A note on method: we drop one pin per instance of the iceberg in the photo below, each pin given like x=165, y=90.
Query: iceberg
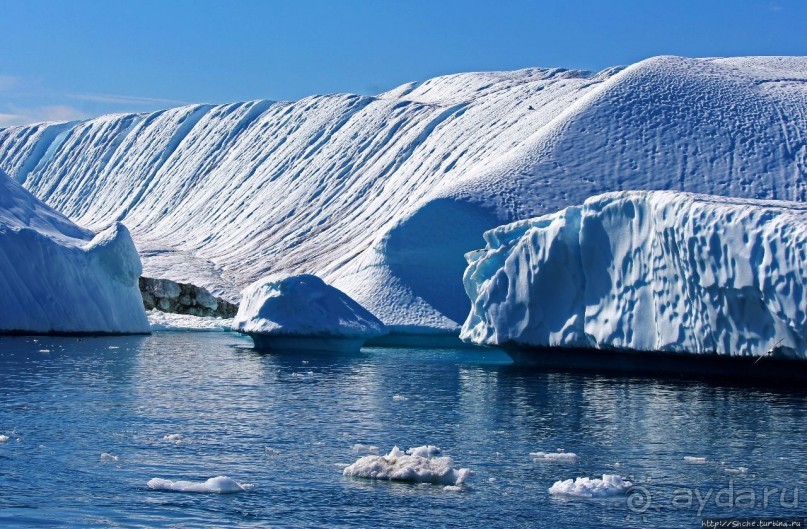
x=382, y=196
x=647, y=271
x=59, y=278
x=302, y=312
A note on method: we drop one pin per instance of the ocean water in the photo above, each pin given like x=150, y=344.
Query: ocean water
x=90, y=421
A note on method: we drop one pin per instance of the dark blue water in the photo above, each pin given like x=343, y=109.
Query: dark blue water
x=65, y=401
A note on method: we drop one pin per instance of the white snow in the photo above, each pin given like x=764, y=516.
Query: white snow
x=381, y=196
x=647, y=271
x=57, y=277
x=419, y=465
x=303, y=312
x=166, y=321
x=565, y=457
x=609, y=485
x=220, y=484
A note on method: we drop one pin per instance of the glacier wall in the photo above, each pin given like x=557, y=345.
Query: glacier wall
x=381, y=196
x=57, y=277
x=646, y=271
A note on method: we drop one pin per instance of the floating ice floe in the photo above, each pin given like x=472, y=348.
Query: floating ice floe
x=271, y=451
x=696, y=460
x=109, y=457
x=359, y=448
x=567, y=457
x=174, y=437
x=416, y=465
x=609, y=485
x=3, y=438
x=399, y=398
x=220, y=484
x=738, y=470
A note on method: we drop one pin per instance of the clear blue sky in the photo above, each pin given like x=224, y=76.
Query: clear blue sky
x=73, y=59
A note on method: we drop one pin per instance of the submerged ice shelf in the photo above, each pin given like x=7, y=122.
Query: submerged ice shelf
x=381, y=196
x=647, y=271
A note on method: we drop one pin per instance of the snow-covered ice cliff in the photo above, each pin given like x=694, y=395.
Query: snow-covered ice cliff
x=647, y=271
x=381, y=196
x=57, y=277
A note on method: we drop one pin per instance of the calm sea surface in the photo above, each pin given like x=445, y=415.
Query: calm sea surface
x=288, y=423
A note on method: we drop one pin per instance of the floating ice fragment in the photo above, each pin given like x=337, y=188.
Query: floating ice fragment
x=399, y=398
x=566, y=457
x=417, y=465
x=696, y=460
x=220, y=484
x=738, y=470
x=3, y=438
x=609, y=485
x=370, y=449
x=108, y=457
x=174, y=437
x=271, y=451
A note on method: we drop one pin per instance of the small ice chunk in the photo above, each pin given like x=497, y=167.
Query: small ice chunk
x=3, y=438
x=174, y=437
x=399, y=398
x=738, y=470
x=417, y=465
x=221, y=484
x=696, y=460
x=108, y=457
x=564, y=457
x=44, y=350
x=453, y=488
x=114, y=347
x=271, y=451
x=609, y=485
x=359, y=448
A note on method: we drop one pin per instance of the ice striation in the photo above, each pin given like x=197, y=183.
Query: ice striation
x=59, y=278
x=381, y=196
x=647, y=271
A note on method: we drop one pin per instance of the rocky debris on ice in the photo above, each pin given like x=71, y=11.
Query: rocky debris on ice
x=183, y=298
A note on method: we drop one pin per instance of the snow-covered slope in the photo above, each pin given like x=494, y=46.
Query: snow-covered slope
x=381, y=196
x=57, y=277
x=647, y=271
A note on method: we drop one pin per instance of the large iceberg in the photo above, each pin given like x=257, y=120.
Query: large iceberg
x=303, y=312
x=381, y=196
x=647, y=271
x=58, y=278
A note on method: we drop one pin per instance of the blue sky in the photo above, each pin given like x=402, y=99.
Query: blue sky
x=75, y=59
